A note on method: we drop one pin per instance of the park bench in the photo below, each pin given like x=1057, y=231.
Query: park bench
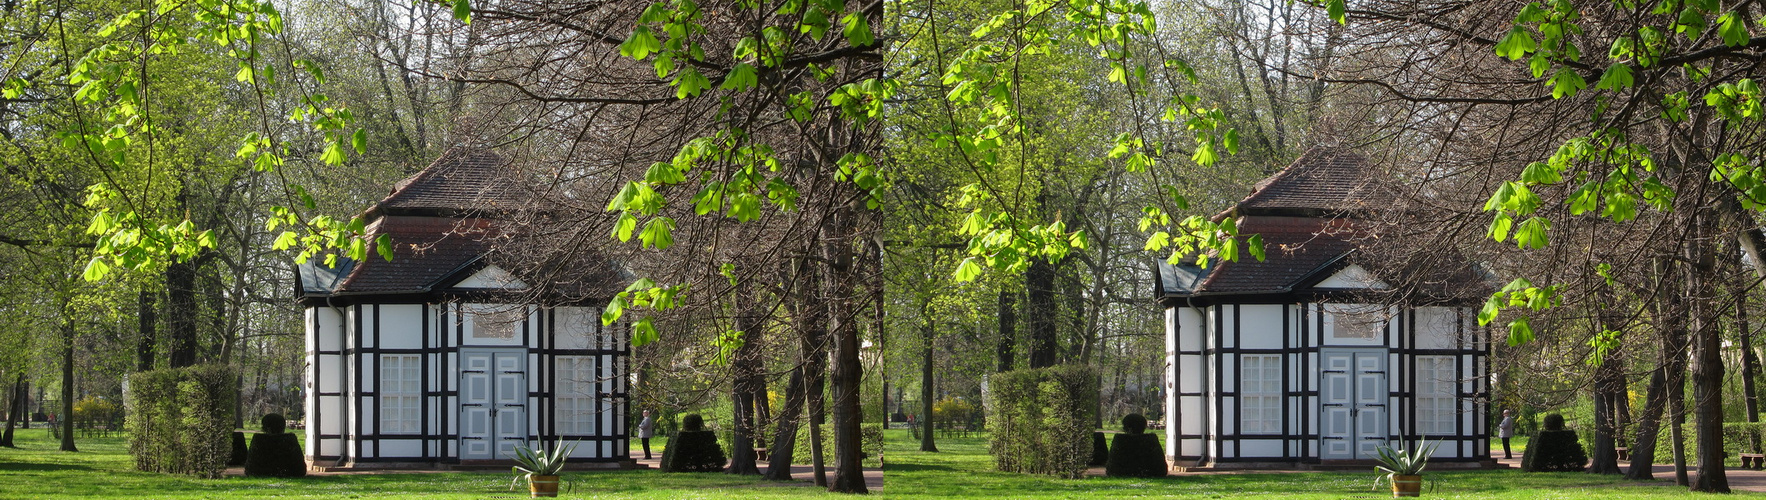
x=1624, y=453
x=1754, y=461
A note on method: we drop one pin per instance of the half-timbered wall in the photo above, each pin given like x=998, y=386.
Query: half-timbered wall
x=442, y=382
x=1304, y=382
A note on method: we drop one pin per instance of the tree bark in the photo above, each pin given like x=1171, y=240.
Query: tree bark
x=1708, y=363
x=839, y=255
x=927, y=390
x=181, y=312
x=1665, y=380
x=67, y=382
x=1008, y=328
x=15, y=408
x=1039, y=280
x=746, y=369
x=784, y=445
x=149, y=323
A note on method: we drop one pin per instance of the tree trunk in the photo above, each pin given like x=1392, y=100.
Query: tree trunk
x=1677, y=421
x=1008, y=328
x=849, y=466
x=67, y=382
x=1608, y=382
x=745, y=369
x=816, y=387
x=1708, y=365
x=784, y=445
x=927, y=390
x=1039, y=280
x=15, y=408
x=1643, y=450
x=147, y=310
x=181, y=312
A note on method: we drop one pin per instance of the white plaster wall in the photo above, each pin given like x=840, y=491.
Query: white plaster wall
x=1260, y=326
x=401, y=448
x=332, y=420
x=576, y=327
x=401, y=326
x=1260, y=448
x=1169, y=382
x=330, y=328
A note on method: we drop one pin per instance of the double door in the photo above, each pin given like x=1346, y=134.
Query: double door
x=493, y=403
x=1354, y=395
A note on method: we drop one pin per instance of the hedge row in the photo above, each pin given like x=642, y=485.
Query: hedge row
x=181, y=419
x=870, y=442
x=1738, y=438
x=1041, y=419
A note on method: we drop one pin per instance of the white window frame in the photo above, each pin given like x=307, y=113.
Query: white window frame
x=1437, y=399
x=401, y=393
x=1357, y=321
x=1260, y=394
x=496, y=321
x=575, y=398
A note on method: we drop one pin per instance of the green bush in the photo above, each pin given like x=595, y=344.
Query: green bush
x=275, y=455
x=1136, y=455
x=1738, y=438
x=1554, y=449
x=237, y=457
x=1100, y=451
x=693, y=448
x=870, y=443
x=1041, y=420
x=180, y=419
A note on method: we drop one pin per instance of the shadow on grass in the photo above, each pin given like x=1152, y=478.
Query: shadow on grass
x=899, y=467
x=41, y=467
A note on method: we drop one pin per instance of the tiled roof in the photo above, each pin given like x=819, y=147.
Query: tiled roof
x=1294, y=248
x=1322, y=181
x=425, y=250
x=462, y=180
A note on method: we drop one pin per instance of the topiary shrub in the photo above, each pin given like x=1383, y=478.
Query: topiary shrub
x=693, y=448
x=179, y=419
x=1554, y=449
x=237, y=458
x=1040, y=419
x=1134, y=452
x=1100, y=450
x=274, y=423
x=275, y=453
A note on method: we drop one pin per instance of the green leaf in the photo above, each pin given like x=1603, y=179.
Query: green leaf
x=1519, y=332
x=286, y=240
x=640, y=44
x=1617, y=77
x=1255, y=246
x=1566, y=83
x=968, y=270
x=1733, y=29
x=624, y=227
x=383, y=246
x=96, y=269
x=858, y=29
x=333, y=154
x=1517, y=44
x=740, y=78
x=463, y=11
x=1338, y=10
x=1500, y=226
x=1531, y=235
x=644, y=332
x=359, y=140
x=658, y=233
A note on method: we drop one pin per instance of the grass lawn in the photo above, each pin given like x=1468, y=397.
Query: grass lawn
x=102, y=470
x=963, y=469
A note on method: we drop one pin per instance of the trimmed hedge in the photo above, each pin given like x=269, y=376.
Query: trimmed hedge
x=693, y=448
x=275, y=455
x=1554, y=449
x=1100, y=450
x=1738, y=438
x=180, y=419
x=870, y=442
x=1040, y=419
x=1136, y=455
x=237, y=457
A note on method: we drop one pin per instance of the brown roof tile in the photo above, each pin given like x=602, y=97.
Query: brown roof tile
x=1322, y=181
x=425, y=250
x=462, y=180
x=1294, y=248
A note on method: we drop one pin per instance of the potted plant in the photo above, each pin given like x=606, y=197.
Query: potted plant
x=1404, y=468
x=540, y=468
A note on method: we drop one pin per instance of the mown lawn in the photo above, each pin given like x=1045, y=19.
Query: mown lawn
x=963, y=469
x=102, y=470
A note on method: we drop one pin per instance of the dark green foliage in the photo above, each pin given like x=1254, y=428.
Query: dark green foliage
x=870, y=441
x=238, y=456
x=693, y=450
x=1738, y=438
x=1136, y=455
x=1134, y=423
x=1554, y=451
x=275, y=455
x=1100, y=450
x=1040, y=420
x=1554, y=422
x=693, y=422
x=179, y=419
x=274, y=424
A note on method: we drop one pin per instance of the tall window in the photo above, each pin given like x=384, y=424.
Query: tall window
x=401, y=394
x=1437, y=402
x=1260, y=394
x=575, y=399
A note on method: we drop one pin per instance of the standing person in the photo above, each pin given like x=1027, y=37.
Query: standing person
x=1505, y=430
x=647, y=430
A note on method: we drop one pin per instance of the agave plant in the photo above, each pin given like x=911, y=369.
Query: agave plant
x=530, y=462
x=1403, y=462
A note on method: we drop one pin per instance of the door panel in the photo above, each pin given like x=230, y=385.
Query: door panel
x=493, y=403
x=1353, y=399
